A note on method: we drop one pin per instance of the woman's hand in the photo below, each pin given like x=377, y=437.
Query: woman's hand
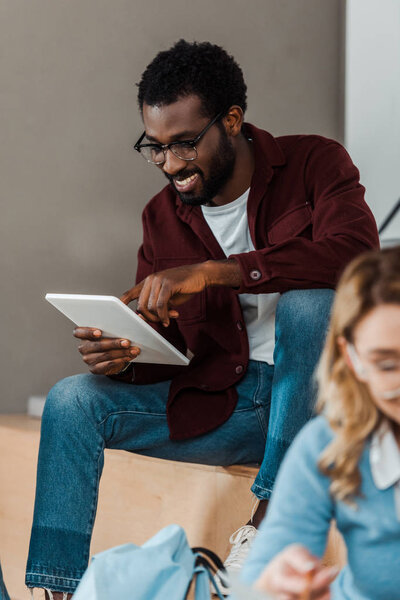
x=295, y=574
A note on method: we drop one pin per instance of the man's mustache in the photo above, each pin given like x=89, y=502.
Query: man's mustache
x=183, y=174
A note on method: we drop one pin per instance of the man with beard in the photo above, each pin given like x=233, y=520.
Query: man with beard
x=241, y=252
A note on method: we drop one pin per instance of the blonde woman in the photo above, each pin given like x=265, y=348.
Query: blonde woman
x=345, y=464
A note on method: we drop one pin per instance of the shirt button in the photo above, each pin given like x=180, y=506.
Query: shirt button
x=255, y=275
x=239, y=369
x=239, y=325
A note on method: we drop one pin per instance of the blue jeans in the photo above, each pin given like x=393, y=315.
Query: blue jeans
x=86, y=413
x=3, y=591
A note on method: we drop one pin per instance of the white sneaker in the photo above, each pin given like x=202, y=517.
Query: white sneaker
x=241, y=542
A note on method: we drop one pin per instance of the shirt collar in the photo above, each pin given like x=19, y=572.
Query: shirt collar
x=384, y=457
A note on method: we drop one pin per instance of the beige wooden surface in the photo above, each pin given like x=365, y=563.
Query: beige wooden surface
x=19, y=441
x=138, y=496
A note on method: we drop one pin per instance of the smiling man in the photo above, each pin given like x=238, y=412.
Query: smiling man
x=241, y=252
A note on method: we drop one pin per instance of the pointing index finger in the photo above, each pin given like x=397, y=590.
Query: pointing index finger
x=162, y=305
x=131, y=294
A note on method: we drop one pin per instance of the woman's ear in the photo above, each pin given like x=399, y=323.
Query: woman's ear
x=342, y=344
x=351, y=359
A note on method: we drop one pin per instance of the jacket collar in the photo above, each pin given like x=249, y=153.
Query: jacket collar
x=267, y=151
x=267, y=155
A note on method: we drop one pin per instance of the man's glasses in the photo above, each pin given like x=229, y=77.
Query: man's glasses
x=185, y=149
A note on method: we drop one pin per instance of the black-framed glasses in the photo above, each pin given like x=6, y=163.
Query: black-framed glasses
x=185, y=149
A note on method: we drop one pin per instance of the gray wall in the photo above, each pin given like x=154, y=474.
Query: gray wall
x=72, y=190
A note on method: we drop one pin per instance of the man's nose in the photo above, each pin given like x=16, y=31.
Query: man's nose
x=173, y=164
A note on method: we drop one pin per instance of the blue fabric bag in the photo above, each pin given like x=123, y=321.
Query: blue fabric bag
x=162, y=569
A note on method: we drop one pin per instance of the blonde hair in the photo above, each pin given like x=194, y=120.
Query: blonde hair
x=370, y=280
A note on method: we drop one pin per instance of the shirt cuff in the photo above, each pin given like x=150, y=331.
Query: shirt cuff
x=252, y=273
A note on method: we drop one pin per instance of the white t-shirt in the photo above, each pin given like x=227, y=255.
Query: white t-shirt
x=230, y=227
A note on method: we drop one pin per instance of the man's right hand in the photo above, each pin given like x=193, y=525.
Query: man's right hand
x=104, y=356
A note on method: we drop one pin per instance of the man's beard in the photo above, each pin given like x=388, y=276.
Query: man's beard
x=222, y=166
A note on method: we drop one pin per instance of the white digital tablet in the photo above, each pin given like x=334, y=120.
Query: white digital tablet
x=115, y=319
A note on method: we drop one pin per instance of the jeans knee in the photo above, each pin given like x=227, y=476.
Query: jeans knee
x=305, y=308
x=62, y=400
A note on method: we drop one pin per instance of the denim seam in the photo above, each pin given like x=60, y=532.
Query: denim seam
x=258, y=385
x=67, y=585
x=266, y=481
x=257, y=408
x=150, y=414
x=93, y=508
x=267, y=484
x=92, y=423
x=65, y=573
x=95, y=489
x=130, y=412
x=264, y=491
x=50, y=576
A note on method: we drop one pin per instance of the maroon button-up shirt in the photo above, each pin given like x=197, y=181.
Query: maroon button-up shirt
x=307, y=219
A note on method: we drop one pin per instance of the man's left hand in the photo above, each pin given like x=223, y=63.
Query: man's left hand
x=161, y=292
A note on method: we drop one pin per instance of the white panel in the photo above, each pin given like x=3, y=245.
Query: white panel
x=372, y=101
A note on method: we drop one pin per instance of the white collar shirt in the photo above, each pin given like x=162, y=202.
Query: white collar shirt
x=385, y=461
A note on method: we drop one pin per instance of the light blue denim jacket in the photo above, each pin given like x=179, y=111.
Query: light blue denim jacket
x=302, y=509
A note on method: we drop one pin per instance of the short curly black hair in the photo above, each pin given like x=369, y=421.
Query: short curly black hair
x=200, y=68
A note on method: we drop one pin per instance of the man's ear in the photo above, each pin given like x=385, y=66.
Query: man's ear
x=351, y=358
x=233, y=121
